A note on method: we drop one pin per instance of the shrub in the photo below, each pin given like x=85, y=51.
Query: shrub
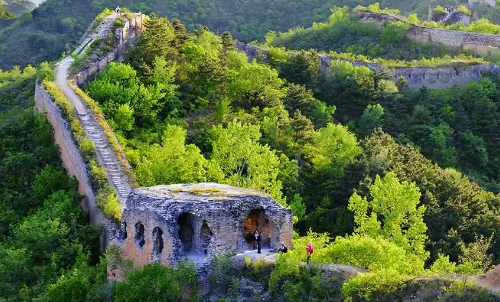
x=464, y=9
x=45, y=72
x=374, y=254
x=394, y=32
x=108, y=202
x=364, y=286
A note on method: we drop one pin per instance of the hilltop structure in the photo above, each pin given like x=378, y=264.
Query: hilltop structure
x=198, y=221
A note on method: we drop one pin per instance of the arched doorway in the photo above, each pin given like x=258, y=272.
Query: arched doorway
x=139, y=235
x=257, y=220
x=195, y=235
x=157, y=244
x=205, y=236
x=186, y=232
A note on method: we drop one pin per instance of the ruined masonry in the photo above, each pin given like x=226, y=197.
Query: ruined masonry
x=163, y=223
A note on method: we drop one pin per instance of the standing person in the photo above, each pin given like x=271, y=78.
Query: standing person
x=255, y=237
x=259, y=240
x=117, y=9
x=310, y=251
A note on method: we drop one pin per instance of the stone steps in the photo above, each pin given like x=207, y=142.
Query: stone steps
x=111, y=163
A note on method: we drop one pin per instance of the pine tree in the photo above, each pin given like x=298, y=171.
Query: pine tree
x=181, y=34
x=157, y=40
x=228, y=43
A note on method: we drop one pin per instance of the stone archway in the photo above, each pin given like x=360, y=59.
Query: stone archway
x=157, y=244
x=205, y=238
x=139, y=235
x=186, y=232
x=195, y=235
x=257, y=220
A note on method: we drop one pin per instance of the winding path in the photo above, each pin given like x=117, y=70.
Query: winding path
x=105, y=153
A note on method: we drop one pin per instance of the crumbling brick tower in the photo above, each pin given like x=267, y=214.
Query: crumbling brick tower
x=169, y=223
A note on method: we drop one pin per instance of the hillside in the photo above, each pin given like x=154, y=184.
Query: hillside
x=54, y=27
x=395, y=188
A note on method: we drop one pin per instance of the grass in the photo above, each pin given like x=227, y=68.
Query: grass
x=106, y=198
x=446, y=61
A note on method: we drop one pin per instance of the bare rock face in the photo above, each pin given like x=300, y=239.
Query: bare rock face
x=169, y=223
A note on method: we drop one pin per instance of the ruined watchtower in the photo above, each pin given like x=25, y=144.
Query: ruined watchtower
x=169, y=223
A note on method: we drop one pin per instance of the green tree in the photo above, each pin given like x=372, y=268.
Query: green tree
x=244, y=161
x=371, y=119
x=334, y=147
x=173, y=161
x=392, y=213
x=157, y=40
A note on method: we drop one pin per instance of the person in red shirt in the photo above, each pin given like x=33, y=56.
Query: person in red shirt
x=309, y=252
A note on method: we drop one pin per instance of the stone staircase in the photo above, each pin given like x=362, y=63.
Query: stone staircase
x=108, y=159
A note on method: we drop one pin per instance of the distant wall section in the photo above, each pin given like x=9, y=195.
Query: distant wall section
x=477, y=42
x=416, y=77
x=124, y=37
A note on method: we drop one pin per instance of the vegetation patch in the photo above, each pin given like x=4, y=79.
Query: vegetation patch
x=202, y=191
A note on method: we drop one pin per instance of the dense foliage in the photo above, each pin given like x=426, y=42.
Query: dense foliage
x=43, y=231
x=187, y=107
x=55, y=26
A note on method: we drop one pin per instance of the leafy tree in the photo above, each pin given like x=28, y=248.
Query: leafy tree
x=371, y=119
x=174, y=162
x=392, y=213
x=158, y=40
x=243, y=161
x=334, y=147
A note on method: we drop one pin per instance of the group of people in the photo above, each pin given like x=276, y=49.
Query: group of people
x=257, y=243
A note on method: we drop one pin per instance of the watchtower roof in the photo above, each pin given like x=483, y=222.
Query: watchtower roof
x=199, y=192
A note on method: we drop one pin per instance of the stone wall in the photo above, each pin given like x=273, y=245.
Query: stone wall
x=73, y=161
x=416, y=77
x=218, y=218
x=477, y=42
x=491, y=3
x=124, y=37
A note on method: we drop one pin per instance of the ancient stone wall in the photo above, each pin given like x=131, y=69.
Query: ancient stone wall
x=416, y=77
x=477, y=42
x=124, y=37
x=491, y=3
x=199, y=221
x=73, y=161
